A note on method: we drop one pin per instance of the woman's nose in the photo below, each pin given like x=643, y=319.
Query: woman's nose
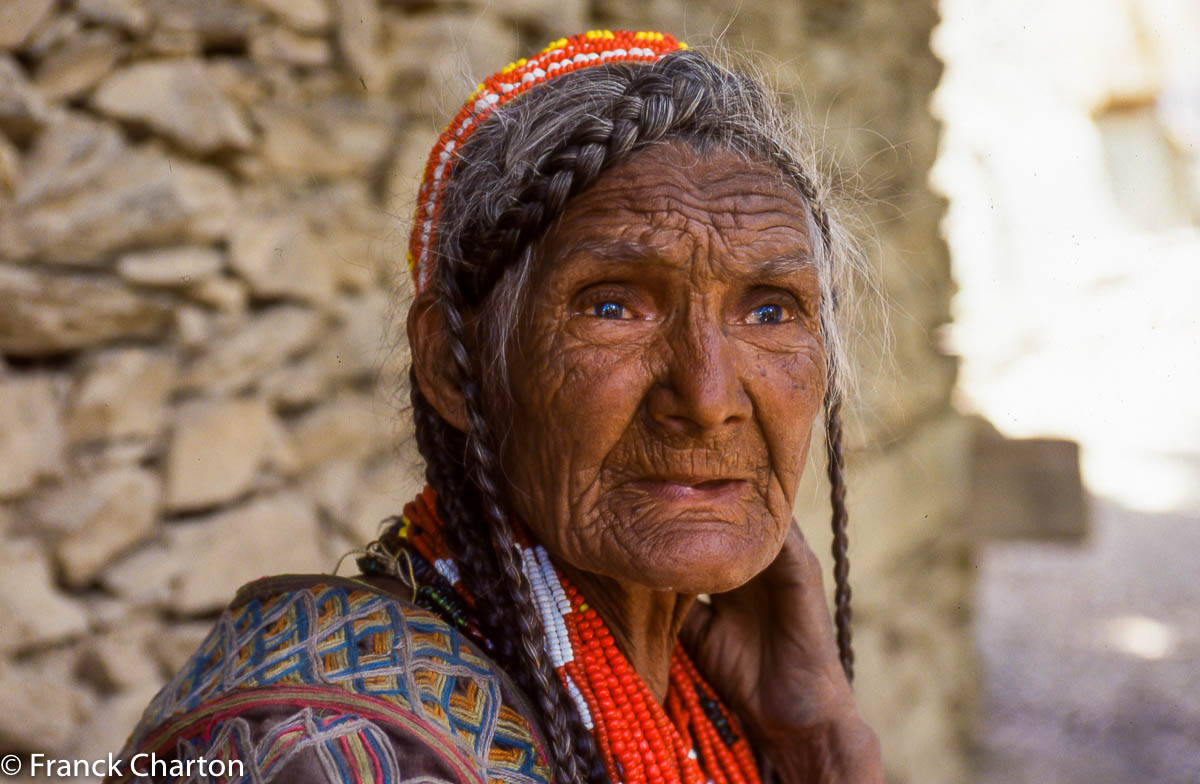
x=702, y=388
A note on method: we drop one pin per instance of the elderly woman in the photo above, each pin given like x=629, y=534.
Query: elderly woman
x=622, y=335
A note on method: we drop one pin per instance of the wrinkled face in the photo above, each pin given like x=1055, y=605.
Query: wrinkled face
x=669, y=372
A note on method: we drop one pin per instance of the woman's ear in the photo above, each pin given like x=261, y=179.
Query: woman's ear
x=433, y=362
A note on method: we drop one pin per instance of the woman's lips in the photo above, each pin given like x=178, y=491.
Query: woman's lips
x=693, y=490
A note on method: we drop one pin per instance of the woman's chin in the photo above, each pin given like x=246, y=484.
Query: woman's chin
x=703, y=562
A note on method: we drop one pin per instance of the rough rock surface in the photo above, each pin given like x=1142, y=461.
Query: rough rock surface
x=232, y=548
x=121, y=659
x=338, y=136
x=176, y=98
x=277, y=256
x=120, y=393
x=345, y=428
x=108, y=513
x=32, y=610
x=215, y=452
x=245, y=351
x=182, y=267
x=51, y=312
x=85, y=194
x=130, y=15
x=18, y=18
x=76, y=65
x=310, y=16
x=143, y=578
x=31, y=433
x=43, y=710
x=23, y=110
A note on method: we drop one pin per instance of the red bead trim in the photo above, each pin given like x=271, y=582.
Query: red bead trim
x=594, y=47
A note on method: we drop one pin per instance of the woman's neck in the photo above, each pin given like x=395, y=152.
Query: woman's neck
x=644, y=623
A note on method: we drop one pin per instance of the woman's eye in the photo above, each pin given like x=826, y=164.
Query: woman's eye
x=608, y=310
x=767, y=314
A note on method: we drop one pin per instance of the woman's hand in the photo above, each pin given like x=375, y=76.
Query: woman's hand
x=768, y=648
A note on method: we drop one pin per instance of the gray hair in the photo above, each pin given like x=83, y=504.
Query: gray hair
x=730, y=111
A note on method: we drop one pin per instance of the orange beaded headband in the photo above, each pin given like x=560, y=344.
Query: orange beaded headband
x=594, y=47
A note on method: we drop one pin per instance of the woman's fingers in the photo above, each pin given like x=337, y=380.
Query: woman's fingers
x=794, y=597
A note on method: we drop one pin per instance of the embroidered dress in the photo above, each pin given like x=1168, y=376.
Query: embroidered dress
x=320, y=679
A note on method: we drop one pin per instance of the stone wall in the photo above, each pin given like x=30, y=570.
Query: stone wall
x=202, y=216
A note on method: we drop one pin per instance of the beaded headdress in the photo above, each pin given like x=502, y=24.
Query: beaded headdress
x=595, y=47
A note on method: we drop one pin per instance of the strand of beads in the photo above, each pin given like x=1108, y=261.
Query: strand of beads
x=730, y=734
x=692, y=739
x=723, y=747
x=640, y=741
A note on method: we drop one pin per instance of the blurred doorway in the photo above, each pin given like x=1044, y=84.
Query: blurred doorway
x=1071, y=159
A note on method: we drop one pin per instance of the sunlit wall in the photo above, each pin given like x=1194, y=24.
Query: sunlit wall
x=1071, y=158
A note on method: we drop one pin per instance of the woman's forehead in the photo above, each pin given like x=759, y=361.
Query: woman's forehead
x=762, y=258
x=672, y=203
x=677, y=178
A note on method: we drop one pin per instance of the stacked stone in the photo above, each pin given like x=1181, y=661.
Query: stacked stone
x=203, y=209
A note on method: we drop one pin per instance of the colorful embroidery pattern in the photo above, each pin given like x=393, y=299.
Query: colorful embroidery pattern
x=358, y=654
x=354, y=749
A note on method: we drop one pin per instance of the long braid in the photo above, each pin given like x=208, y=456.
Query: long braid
x=841, y=561
x=835, y=463
x=571, y=748
x=465, y=532
x=469, y=537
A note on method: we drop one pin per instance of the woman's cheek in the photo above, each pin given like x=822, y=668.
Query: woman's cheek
x=607, y=382
x=796, y=392
x=582, y=403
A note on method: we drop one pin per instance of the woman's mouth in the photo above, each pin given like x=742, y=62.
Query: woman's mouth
x=697, y=490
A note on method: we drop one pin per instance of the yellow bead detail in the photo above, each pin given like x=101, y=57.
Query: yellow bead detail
x=561, y=42
x=512, y=67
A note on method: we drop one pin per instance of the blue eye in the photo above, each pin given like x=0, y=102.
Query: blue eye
x=608, y=310
x=768, y=314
